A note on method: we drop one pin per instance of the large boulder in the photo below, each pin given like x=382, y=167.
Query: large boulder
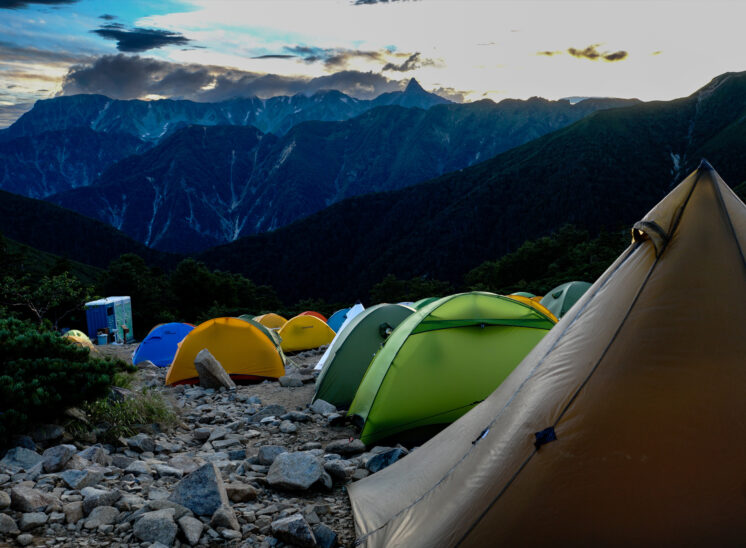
x=20, y=458
x=158, y=526
x=4, y=500
x=102, y=515
x=141, y=442
x=27, y=499
x=32, y=520
x=56, y=457
x=294, y=530
x=295, y=471
x=202, y=491
x=211, y=373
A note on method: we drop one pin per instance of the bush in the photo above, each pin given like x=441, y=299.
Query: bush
x=41, y=374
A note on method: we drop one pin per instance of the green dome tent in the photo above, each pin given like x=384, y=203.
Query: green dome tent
x=524, y=294
x=444, y=359
x=560, y=299
x=353, y=348
x=424, y=302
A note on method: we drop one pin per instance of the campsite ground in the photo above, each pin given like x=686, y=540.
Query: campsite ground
x=137, y=475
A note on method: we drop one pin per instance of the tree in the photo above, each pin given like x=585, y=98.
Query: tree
x=393, y=290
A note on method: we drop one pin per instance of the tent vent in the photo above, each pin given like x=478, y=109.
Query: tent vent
x=545, y=436
x=481, y=436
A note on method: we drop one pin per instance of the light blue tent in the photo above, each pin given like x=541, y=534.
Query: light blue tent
x=337, y=319
x=161, y=343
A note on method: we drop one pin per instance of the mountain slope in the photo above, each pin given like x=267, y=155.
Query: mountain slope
x=56, y=230
x=606, y=170
x=314, y=165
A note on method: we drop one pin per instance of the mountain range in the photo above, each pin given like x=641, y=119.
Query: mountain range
x=206, y=185
x=604, y=171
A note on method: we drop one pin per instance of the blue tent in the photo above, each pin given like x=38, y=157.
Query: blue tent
x=337, y=319
x=161, y=343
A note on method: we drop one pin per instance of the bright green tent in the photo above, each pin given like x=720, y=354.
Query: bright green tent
x=442, y=360
x=352, y=350
x=560, y=299
x=424, y=302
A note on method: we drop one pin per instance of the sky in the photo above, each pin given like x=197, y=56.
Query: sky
x=465, y=50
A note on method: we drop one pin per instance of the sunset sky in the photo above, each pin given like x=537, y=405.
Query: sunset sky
x=209, y=50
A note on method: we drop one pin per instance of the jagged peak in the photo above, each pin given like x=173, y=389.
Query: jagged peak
x=414, y=87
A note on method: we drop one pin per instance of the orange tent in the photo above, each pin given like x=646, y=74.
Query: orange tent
x=314, y=314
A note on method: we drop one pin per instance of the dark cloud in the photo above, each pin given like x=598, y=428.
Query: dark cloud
x=412, y=62
x=130, y=77
x=10, y=52
x=24, y=75
x=370, y=2
x=137, y=39
x=19, y=4
x=275, y=56
x=107, y=17
x=592, y=53
x=548, y=53
x=450, y=93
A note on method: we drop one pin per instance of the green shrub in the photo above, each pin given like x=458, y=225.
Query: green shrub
x=123, y=418
x=41, y=374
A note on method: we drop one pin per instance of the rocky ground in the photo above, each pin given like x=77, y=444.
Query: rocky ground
x=252, y=466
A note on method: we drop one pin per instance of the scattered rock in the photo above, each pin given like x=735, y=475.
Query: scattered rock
x=20, y=458
x=156, y=526
x=97, y=455
x=32, y=520
x=294, y=530
x=80, y=479
x=325, y=537
x=142, y=443
x=379, y=461
x=224, y=517
x=102, y=515
x=164, y=471
x=295, y=471
x=322, y=407
x=185, y=463
x=211, y=372
x=56, y=457
x=8, y=525
x=346, y=447
x=268, y=453
x=202, y=491
x=295, y=416
x=24, y=539
x=288, y=427
x=121, y=461
x=73, y=511
x=27, y=499
x=240, y=492
x=179, y=510
x=93, y=498
x=4, y=500
x=290, y=381
x=192, y=529
x=48, y=433
x=268, y=411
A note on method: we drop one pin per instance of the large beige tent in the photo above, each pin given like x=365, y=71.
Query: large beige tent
x=625, y=426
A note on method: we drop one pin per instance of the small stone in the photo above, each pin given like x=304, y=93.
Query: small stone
x=359, y=474
x=142, y=443
x=224, y=517
x=121, y=461
x=80, y=479
x=56, y=517
x=24, y=539
x=268, y=453
x=20, y=458
x=179, y=510
x=8, y=525
x=26, y=499
x=287, y=427
x=268, y=411
x=93, y=498
x=295, y=416
x=345, y=447
x=201, y=434
x=294, y=530
x=229, y=534
x=48, y=433
x=73, y=511
x=290, y=381
x=102, y=515
x=156, y=526
x=97, y=455
x=337, y=469
x=295, y=471
x=325, y=537
x=164, y=471
x=32, y=520
x=56, y=457
x=184, y=463
x=138, y=467
x=240, y=492
x=211, y=373
x=192, y=529
x=381, y=460
x=202, y=491
x=4, y=500
x=322, y=407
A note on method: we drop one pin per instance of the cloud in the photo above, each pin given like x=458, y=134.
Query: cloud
x=19, y=4
x=412, y=62
x=591, y=52
x=10, y=52
x=370, y=2
x=11, y=113
x=273, y=56
x=107, y=17
x=549, y=53
x=136, y=40
x=131, y=77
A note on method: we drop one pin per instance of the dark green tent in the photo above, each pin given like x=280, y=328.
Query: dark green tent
x=424, y=302
x=560, y=299
x=353, y=348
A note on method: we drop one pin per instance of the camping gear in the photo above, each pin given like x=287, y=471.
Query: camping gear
x=346, y=360
x=305, y=332
x=523, y=294
x=625, y=425
x=560, y=299
x=271, y=320
x=244, y=351
x=442, y=360
x=112, y=313
x=160, y=345
x=81, y=339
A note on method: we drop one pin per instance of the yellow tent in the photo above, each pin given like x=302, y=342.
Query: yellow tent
x=625, y=425
x=271, y=320
x=241, y=348
x=80, y=340
x=305, y=332
x=77, y=333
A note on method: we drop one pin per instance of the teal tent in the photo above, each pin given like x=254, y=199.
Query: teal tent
x=560, y=299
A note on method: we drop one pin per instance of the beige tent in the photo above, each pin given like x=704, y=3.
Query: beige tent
x=625, y=426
